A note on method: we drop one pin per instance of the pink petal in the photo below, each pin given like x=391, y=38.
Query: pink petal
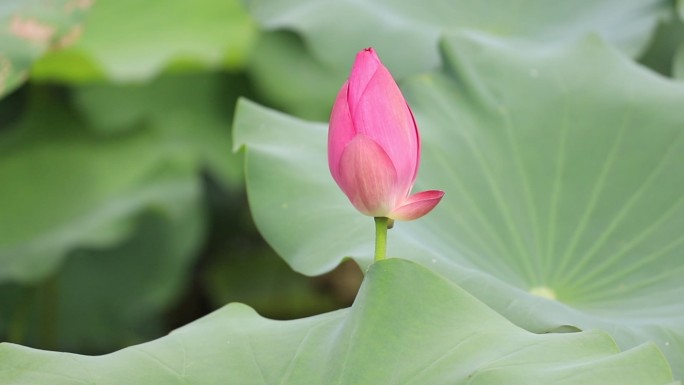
x=382, y=114
x=417, y=205
x=368, y=177
x=365, y=65
x=418, y=147
x=341, y=131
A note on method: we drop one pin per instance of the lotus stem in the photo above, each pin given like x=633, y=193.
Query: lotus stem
x=380, y=238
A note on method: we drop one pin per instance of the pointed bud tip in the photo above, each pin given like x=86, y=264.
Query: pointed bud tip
x=366, y=53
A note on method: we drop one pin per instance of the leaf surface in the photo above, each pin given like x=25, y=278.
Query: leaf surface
x=407, y=326
x=563, y=185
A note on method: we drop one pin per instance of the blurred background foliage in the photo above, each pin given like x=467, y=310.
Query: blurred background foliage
x=122, y=209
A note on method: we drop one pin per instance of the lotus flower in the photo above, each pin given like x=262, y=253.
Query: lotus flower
x=374, y=144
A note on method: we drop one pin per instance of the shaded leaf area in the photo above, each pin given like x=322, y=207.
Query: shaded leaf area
x=662, y=51
x=93, y=136
x=68, y=188
x=107, y=298
x=73, y=186
x=236, y=265
x=128, y=40
x=408, y=325
x=81, y=185
x=678, y=66
x=563, y=188
x=290, y=78
x=191, y=112
x=29, y=29
x=406, y=35
x=260, y=278
x=71, y=234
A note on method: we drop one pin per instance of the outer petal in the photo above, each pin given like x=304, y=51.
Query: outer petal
x=340, y=132
x=365, y=65
x=381, y=113
x=417, y=205
x=368, y=177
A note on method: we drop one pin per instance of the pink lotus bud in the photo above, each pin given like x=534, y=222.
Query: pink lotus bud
x=374, y=144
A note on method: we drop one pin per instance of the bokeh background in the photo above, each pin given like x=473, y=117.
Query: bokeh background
x=123, y=212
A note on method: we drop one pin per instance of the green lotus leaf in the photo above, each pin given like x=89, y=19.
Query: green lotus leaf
x=563, y=169
x=406, y=33
x=295, y=69
x=326, y=36
x=30, y=29
x=110, y=297
x=65, y=187
x=408, y=325
x=133, y=41
x=191, y=113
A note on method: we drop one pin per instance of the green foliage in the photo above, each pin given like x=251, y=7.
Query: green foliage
x=678, y=66
x=561, y=179
x=281, y=63
x=105, y=298
x=406, y=33
x=129, y=40
x=82, y=184
x=88, y=191
x=662, y=51
x=263, y=280
x=29, y=29
x=558, y=242
x=406, y=36
x=191, y=114
x=108, y=179
x=407, y=326
x=92, y=188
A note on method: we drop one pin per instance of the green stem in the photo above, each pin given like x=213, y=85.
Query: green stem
x=380, y=238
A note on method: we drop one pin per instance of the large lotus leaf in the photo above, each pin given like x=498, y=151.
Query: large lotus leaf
x=192, y=113
x=64, y=187
x=563, y=170
x=406, y=32
x=129, y=40
x=29, y=29
x=108, y=297
x=281, y=63
x=408, y=325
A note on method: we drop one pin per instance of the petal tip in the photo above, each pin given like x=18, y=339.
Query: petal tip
x=417, y=205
